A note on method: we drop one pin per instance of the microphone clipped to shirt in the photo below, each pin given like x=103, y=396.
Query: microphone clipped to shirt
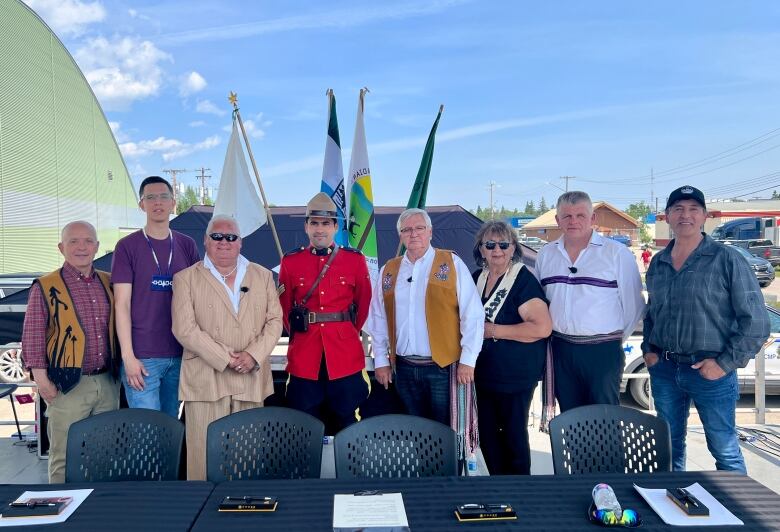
x=245, y=289
x=409, y=280
x=572, y=269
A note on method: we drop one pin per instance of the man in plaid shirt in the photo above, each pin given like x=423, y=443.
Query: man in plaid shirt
x=705, y=319
x=68, y=341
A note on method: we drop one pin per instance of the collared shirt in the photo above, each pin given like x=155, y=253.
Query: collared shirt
x=602, y=295
x=235, y=294
x=410, y=320
x=93, y=310
x=713, y=303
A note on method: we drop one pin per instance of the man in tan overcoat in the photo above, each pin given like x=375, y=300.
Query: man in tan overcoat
x=226, y=315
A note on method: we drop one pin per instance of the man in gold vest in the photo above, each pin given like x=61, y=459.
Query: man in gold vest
x=426, y=321
x=68, y=341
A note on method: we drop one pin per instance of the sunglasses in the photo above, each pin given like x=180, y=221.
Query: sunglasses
x=629, y=519
x=219, y=237
x=491, y=245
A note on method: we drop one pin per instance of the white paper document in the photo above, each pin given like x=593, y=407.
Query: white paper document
x=78, y=497
x=369, y=512
x=674, y=515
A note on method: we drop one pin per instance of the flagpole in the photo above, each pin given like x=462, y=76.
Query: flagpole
x=233, y=99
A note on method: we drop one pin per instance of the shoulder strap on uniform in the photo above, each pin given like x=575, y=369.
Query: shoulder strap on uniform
x=320, y=276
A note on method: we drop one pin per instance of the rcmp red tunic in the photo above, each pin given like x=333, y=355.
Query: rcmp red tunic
x=346, y=281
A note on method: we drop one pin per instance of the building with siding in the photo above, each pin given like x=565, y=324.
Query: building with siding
x=59, y=160
x=609, y=221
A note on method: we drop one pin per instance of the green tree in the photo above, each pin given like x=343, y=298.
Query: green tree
x=529, y=208
x=775, y=195
x=543, y=208
x=188, y=199
x=639, y=212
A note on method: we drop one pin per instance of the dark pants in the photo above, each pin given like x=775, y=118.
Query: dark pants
x=503, y=430
x=424, y=390
x=342, y=397
x=587, y=374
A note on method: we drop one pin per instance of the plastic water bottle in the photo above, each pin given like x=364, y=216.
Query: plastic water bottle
x=471, y=463
x=604, y=498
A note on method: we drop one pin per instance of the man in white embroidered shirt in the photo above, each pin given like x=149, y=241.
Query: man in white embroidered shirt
x=595, y=295
x=426, y=321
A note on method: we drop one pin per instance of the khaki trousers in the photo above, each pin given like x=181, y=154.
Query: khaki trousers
x=92, y=395
x=198, y=416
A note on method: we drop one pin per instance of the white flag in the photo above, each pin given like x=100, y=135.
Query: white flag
x=237, y=195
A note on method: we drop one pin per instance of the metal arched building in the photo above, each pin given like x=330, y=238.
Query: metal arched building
x=59, y=160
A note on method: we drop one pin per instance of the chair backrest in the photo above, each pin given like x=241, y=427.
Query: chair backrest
x=264, y=443
x=126, y=444
x=609, y=439
x=396, y=445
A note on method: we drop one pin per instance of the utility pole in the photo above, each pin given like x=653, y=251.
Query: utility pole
x=203, y=191
x=491, y=187
x=652, y=178
x=566, y=179
x=173, y=172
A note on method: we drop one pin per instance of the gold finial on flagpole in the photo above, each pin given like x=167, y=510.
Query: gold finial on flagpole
x=233, y=98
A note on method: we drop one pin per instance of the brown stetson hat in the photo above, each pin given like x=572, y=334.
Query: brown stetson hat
x=322, y=206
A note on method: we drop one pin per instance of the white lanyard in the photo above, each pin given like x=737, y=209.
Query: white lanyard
x=154, y=255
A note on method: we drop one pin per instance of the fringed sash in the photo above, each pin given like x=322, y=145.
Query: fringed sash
x=548, y=382
x=463, y=417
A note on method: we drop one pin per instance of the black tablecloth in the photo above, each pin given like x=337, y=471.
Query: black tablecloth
x=542, y=502
x=125, y=506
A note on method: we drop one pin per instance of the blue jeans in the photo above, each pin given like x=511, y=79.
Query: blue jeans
x=674, y=387
x=161, y=386
x=424, y=390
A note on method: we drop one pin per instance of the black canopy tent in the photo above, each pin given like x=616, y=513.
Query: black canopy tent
x=454, y=228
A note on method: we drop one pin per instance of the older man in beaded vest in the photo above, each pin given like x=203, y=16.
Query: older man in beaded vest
x=426, y=321
x=69, y=343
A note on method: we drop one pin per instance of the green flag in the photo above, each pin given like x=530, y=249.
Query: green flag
x=420, y=188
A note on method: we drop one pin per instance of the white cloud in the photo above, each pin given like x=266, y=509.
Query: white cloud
x=68, y=17
x=197, y=123
x=122, y=70
x=333, y=18
x=116, y=129
x=169, y=148
x=188, y=149
x=206, y=107
x=192, y=83
x=255, y=128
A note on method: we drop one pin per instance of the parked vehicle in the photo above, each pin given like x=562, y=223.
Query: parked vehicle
x=639, y=389
x=765, y=272
x=747, y=229
x=10, y=283
x=759, y=248
x=532, y=242
x=623, y=239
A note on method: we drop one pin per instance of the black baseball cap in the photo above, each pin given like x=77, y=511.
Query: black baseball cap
x=686, y=192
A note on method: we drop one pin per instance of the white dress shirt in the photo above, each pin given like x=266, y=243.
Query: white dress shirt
x=603, y=295
x=235, y=293
x=410, y=322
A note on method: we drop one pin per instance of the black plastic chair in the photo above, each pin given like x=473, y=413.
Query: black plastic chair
x=396, y=445
x=126, y=444
x=271, y=442
x=8, y=390
x=609, y=439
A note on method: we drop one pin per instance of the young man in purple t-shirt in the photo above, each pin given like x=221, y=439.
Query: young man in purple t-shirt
x=142, y=273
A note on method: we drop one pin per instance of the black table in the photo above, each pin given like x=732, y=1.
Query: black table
x=542, y=502
x=125, y=506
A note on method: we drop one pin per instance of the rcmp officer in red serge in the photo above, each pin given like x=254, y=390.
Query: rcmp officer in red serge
x=325, y=295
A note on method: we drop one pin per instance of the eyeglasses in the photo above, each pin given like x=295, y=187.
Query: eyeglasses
x=415, y=229
x=219, y=237
x=491, y=244
x=154, y=197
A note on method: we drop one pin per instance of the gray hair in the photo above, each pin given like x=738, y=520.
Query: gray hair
x=502, y=230
x=408, y=213
x=222, y=218
x=573, y=197
x=69, y=225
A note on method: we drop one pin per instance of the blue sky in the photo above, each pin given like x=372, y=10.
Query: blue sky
x=603, y=91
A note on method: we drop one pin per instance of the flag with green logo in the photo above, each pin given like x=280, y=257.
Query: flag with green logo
x=361, y=222
x=333, y=170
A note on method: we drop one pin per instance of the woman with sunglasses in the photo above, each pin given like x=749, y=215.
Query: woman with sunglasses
x=517, y=323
